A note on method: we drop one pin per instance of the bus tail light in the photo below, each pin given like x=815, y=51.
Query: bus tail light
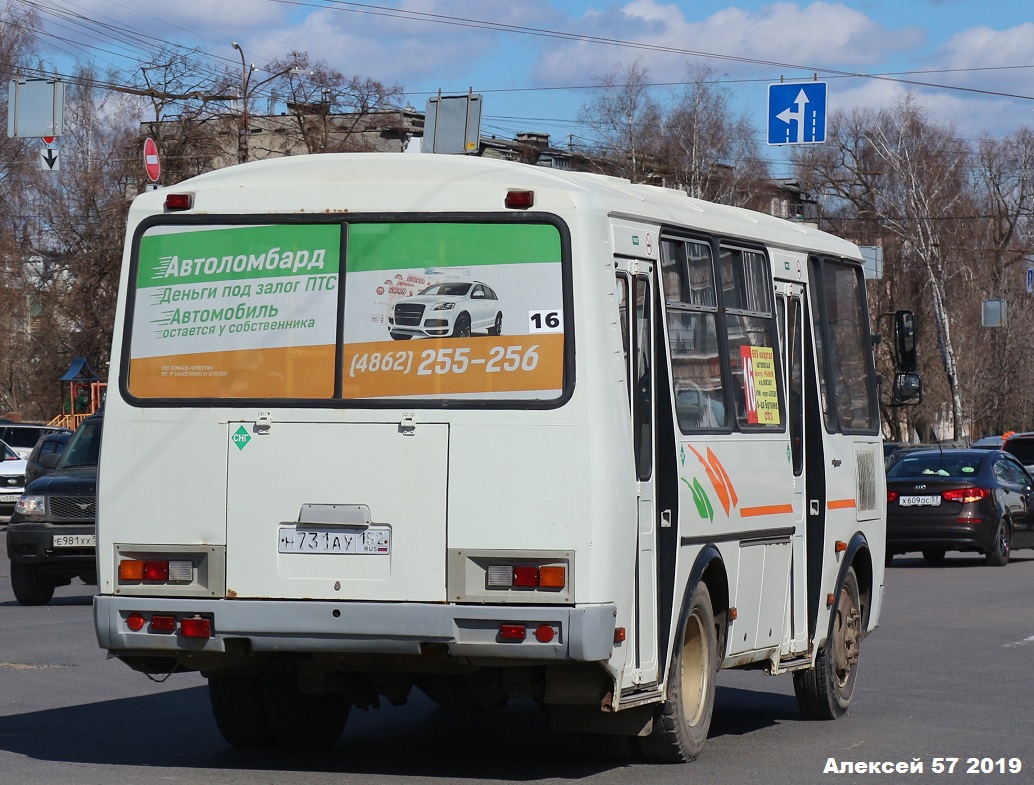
x=196, y=627
x=513, y=632
x=526, y=576
x=155, y=570
x=519, y=200
x=163, y=623
x=179, y=202
x=552, y=577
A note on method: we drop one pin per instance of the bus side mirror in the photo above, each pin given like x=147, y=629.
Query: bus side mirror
x=908, y=389
x=905, y=341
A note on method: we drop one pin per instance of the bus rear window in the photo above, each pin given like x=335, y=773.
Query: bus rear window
x=431, y=310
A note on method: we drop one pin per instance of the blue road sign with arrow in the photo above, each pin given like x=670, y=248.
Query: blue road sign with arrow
x=797, y=113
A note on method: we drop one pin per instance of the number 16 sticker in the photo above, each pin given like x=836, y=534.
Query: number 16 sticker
x=550, y=321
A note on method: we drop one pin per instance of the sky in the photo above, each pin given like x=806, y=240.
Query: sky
x=969, y=63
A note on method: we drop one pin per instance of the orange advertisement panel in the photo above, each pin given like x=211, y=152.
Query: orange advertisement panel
x=277, y=372
x=449, y=366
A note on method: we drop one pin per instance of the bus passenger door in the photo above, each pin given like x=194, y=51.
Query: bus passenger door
x=792, y=332
x=636, y=296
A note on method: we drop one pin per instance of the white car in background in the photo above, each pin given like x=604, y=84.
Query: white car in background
x=450, y=308
x=12, y=478
x=22, y=436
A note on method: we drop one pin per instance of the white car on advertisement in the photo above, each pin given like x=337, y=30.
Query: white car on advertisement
x=450, y=308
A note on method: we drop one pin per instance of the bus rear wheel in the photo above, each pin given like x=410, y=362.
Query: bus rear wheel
x=298, y=720
x=681, y=723
x=237, y=706
x=824, y=692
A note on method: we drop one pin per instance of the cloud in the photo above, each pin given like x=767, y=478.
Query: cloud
x=426, y=36
x=815, y=36
x=983, y=48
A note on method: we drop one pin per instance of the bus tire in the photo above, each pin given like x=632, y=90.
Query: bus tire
x=681, y=723
x=239, y=714
x=298, y=720
x=824, y=692
x=30, y=585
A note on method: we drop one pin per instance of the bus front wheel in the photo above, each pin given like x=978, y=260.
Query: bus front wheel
x=824, y=692
x=681, y=723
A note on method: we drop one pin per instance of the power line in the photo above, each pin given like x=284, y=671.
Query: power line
x=104, y=28
x=377, y=10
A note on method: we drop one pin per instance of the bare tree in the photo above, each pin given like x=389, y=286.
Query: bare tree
x=188, y=113
x=18, y=223
x=929, y=163
x=1003, y=373
x=904, y=180
x=82, y=211
x=626, y=120
x=329, y=111
x=710, y=151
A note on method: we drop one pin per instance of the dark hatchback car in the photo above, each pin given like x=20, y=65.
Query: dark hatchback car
x=51, y=537
x=46, y=454
x=959, y=500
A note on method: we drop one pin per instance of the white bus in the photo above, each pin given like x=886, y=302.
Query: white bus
x=491, y=431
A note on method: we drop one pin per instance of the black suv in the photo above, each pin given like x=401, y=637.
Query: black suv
x=1022, y=446
x=51, y=538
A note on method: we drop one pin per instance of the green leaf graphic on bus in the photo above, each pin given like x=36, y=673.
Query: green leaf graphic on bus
x=700, y=499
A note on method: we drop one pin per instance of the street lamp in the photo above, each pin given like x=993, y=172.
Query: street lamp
x=242, y=136
x=246, y=88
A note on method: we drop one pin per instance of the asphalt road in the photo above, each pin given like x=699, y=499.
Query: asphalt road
x=947, y=674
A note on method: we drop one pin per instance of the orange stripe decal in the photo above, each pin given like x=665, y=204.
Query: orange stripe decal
x=840, y=504
x=713, y=460
x=716, y=479
x=767, y=509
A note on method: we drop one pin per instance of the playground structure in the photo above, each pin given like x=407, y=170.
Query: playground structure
x=85, y=394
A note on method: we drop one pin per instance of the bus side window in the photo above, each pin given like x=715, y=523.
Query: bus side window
x=643, y=405
x=842, y=345
x=687, y=274
x=624, y=325
x=750, y=338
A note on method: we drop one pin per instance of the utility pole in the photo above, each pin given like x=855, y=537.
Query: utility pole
x=246, y=89
x=243, y=131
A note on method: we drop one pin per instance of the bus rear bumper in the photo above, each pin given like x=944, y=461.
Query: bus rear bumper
x=579, y=633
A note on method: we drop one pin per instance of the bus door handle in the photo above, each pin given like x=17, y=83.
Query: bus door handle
x=665, y=519
x=813, y=507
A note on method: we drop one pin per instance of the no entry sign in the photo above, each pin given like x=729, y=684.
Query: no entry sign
x=151, y=162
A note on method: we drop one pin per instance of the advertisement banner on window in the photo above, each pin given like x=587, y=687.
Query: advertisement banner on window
x=235, y=312
x=453, y=309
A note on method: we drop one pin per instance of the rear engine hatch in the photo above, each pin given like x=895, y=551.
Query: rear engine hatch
x=336, y=511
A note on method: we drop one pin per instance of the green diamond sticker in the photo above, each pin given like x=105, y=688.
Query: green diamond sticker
x=241, y=437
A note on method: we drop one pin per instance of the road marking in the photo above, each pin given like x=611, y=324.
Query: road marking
x=1019, y=643
x=29, y=666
